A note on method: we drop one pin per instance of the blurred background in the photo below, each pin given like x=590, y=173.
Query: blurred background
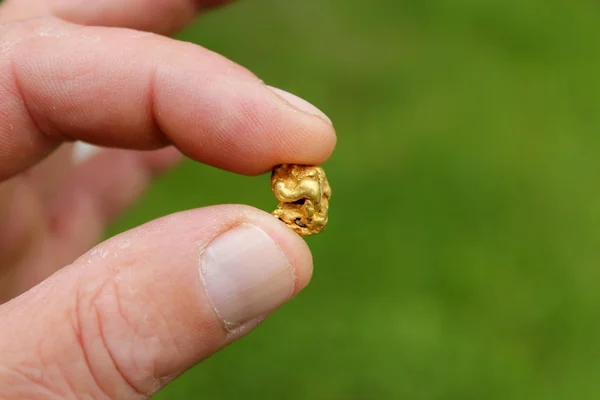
x=462, y=259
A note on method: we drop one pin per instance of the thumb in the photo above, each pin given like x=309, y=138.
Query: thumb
x=141, y=308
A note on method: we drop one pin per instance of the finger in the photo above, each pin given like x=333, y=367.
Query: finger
x=21, y=222
x=113, y=88
x=49, y=174
x=83, y=151
x=93, y=195
x=160, y=16
x=23, y=214
x=98, y=191
x=145, y=306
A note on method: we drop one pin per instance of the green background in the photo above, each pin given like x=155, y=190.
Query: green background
x=462, y=256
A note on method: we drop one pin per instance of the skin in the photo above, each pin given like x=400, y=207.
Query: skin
x=61, y=63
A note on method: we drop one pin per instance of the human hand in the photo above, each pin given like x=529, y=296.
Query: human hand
x=124, y=318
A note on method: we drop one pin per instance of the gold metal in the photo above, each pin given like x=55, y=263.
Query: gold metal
x=304, y=193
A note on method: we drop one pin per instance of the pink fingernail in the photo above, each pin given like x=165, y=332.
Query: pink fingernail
x=245, y=274
x=300, y=103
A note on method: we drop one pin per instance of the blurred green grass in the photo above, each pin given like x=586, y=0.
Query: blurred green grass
x=462, y=257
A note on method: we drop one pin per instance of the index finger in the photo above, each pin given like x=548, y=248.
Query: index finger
x=121, y=88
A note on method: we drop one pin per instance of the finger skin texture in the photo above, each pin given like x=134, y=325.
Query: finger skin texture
x=93, y=194
x=122, y=88
x=99, y=190
x=133, y=313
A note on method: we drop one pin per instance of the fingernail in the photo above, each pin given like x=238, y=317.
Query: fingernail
x=300, y=103
x=245, y=274
x=83, y=151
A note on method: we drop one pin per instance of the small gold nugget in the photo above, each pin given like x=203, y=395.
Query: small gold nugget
x=304, y=193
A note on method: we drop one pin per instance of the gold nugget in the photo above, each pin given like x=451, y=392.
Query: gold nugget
x=304, y=193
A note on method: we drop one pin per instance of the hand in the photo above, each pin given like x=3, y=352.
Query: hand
x=123, y=319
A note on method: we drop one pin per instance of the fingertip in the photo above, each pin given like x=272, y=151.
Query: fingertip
x=239, y=124
x=300, y=104
x=314, y=133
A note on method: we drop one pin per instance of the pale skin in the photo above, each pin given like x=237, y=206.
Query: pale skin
x=121, y=319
